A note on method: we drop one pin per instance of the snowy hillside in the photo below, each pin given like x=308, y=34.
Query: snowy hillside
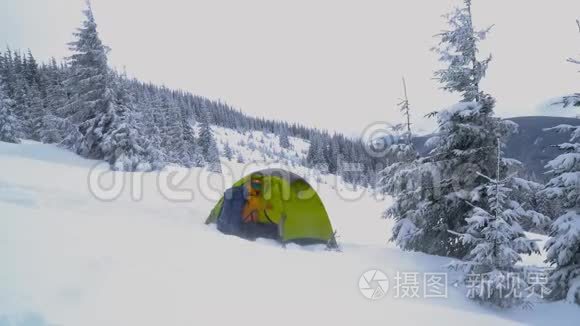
x=258, y=146
x=68, y=258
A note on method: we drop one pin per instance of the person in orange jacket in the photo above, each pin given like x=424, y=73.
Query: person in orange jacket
x=255, y=204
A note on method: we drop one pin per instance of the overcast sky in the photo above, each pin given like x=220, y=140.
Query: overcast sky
x=331, y=64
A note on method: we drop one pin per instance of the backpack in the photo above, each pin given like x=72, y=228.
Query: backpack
x=229, y=220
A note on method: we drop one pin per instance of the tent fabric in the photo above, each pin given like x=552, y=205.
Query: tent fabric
x=227, y=224
x=289, y=202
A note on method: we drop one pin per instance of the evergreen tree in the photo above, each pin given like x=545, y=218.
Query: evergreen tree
x=405, y=108
x=535, y=208
x=240, y=158
x=35, y=116
x=468, y=133
x=315, y=157
x=563, y=247
x=284, y=140
x=497, y=240
x=54, y=127
x=7, y=73
x=208, y=145
x=153, y=135
x=9, y=124
x=332, y=155
x=402, y=180
x=31, y=72
x=228, y=153
x=189, y=155
x=172, y=131
x=123, y=145
x=90, y=84
x=458, y=47
x=21, y=99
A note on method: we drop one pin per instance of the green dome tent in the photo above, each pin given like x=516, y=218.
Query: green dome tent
x=290, y=203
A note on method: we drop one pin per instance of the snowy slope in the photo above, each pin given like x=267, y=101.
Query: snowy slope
x=260, y=146
x=68, y=258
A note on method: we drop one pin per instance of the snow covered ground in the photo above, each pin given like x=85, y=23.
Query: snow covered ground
x=260, y=146
x=68, y=258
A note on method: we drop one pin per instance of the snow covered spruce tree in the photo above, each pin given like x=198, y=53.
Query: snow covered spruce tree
x=19, y=89
x=171, y=128
x=497, y=240
x=21, y=77
x=240, y=158
x=9, y=124
x=458, y=47
x=535, y=207
x=123, y=144
x=178, y=137
x=36, y=114
x=56, y=97
x=563, y=247
x=284, y=140
x=188, y=149
x=315, y=156
x=401, y=180
x=90, y=86
x=208, y=144
x=99, y=111
x=153, y=120
x=467, y=132
x=33, y=88
x=228, y=152
x=444, y=183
